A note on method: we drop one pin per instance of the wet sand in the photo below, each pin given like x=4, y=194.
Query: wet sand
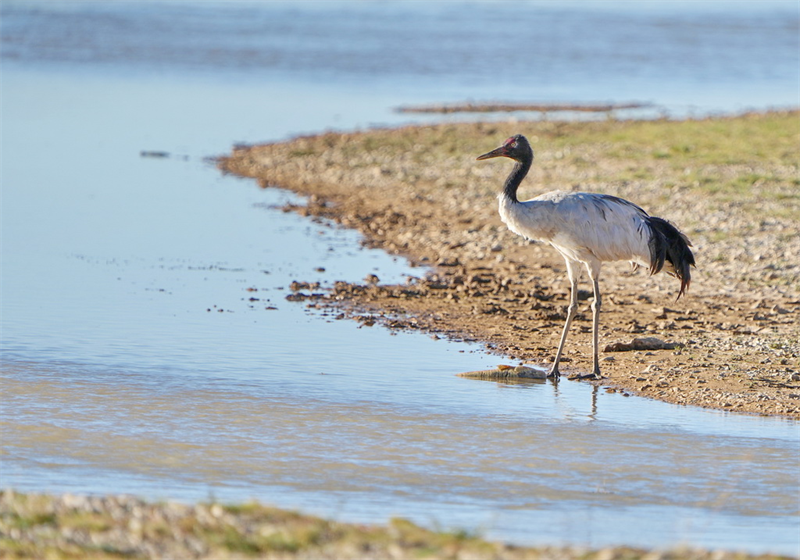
x=731, y=184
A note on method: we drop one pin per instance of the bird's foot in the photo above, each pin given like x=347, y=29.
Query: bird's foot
x=554, y=373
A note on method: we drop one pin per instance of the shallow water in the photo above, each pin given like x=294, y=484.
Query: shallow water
x=139, y=356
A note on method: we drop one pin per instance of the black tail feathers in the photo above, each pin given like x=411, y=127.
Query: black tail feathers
x=669, y=246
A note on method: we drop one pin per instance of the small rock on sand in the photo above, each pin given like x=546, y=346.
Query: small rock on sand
x=646, y=343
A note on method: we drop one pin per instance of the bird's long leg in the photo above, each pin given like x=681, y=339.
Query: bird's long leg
x=573, y=272
x=594, y=276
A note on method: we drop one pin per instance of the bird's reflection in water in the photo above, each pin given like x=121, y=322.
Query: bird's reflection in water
x=555, y=386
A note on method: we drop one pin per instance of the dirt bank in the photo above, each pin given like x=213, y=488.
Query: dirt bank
x=731, y=184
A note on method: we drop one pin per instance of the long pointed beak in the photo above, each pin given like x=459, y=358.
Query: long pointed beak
x=497, y=152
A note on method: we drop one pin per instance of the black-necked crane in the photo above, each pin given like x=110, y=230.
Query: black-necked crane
x=589, y=229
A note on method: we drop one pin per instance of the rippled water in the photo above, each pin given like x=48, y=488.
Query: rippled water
x=147, y=346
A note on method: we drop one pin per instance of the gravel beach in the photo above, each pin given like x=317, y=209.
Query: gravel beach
x=730, y=183
x=110, y=527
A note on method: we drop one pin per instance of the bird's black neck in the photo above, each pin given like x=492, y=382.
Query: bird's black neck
x=513, y=181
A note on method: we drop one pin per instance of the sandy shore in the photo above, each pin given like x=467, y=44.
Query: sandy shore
x=109, y=527
x=732, y=184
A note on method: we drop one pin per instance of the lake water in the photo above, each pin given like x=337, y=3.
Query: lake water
x=147, y=346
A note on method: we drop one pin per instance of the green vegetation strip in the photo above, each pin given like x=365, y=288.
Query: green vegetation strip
x=95, y=527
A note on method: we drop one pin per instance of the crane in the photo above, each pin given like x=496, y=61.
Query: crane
x=589, y=229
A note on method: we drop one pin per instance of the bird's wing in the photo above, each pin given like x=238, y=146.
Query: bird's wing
x=590, y=226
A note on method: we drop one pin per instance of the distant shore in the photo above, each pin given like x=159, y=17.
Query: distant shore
x=500, y=107
x=731, y=183
x=112, y=527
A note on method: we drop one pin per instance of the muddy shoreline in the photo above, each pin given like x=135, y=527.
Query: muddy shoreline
x=730, y=183
x=501, y=107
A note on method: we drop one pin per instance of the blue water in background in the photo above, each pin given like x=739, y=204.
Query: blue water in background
x=134, y=360
x=683, y=56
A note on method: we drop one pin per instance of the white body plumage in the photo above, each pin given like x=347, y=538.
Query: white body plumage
x=583, y=227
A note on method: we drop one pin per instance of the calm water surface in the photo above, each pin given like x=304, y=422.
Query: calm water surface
x=147, y=346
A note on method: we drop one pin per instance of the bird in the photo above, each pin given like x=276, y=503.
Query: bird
x=589, y=229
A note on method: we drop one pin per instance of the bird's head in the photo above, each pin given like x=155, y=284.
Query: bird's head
x=516, y=148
